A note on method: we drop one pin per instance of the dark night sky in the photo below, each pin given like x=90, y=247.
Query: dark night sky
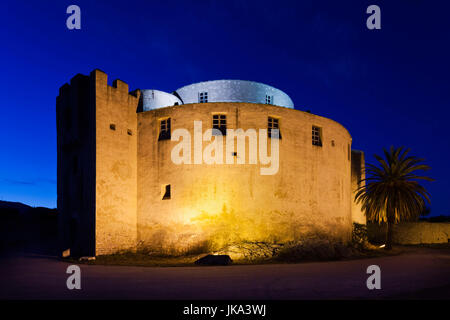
x=387, y=87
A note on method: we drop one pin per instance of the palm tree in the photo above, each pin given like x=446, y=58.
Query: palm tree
x=392, y=192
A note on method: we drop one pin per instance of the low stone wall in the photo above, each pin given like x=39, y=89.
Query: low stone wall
x=411, y=232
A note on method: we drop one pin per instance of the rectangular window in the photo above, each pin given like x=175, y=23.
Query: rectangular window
x=164, y=129
x=112, y=126
x=269, y=99
x=220, y=123
x=316, y=136
x=166, y=192
x=203, y=97
x=273, y=123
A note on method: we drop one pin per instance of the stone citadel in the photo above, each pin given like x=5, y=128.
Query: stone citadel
x=119, y=188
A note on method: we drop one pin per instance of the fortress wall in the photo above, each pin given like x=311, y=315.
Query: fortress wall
x=219, y=204
x=358, y=174
x=76, y=167
x=411, y=232
x=116, y=165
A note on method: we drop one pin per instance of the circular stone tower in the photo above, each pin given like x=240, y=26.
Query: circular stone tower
x=195, y=203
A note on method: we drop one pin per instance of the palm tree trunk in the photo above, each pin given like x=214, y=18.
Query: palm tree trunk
x=389, y=235
x=390, y=225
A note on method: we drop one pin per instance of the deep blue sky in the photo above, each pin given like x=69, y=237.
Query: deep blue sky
x=387, y=87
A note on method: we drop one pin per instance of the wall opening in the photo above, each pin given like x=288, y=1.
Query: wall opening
x=203, y=97
x=273, y=123
x=164, y=129
x=166, y=192
x=316, y=136
x=220, y=123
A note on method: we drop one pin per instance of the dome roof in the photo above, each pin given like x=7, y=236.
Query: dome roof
x=217, y=91
x=234, y=91
x=155, y=99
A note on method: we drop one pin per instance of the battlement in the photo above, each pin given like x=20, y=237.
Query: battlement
x=118, y=88
x=101, y=79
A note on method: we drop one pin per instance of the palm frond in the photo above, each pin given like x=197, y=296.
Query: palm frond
x=391, y=191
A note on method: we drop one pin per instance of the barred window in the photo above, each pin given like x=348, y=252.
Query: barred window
x=220, y=123
x=164, y=129
x=316, y=136
x=273, y=123
x=203, y=97
x=269, y=99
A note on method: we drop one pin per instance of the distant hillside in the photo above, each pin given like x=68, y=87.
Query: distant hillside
x=13, y=206
x=20, y=208
x=26, y=228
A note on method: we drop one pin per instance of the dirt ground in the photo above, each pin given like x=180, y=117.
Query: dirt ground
x=417, y=273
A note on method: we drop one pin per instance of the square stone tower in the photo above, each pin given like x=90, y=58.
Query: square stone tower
x=97, y=165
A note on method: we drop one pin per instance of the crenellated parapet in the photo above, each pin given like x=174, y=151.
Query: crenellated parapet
x=118, y=90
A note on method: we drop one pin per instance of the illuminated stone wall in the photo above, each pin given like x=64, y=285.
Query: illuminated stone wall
x=116, y=171
x=219, y=204
x=357, y=175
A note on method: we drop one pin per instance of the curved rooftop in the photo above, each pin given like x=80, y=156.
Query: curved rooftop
x=155, y=99
x=217, y=91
